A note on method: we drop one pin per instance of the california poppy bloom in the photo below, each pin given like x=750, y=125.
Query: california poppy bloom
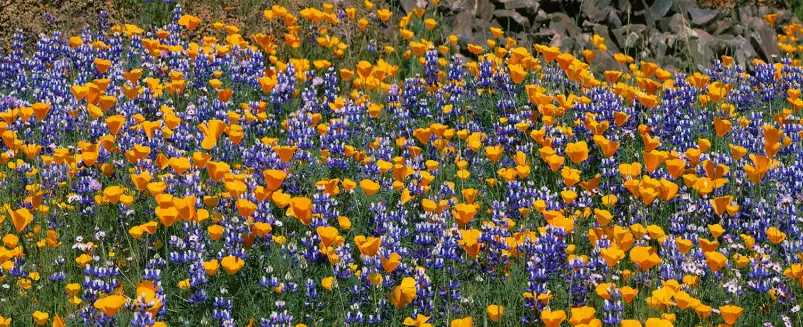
x=40, y=318
x=301, y=208
x=368, y=246
x=189, y=21
x=645, y=257
x=232, y=264
x=404, y=293
x=464, y=213
x=462, y=322
x=730, y=313
x=110, y=305
x=495, y=312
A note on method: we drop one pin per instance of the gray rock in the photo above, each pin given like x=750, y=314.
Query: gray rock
x=409, y=5
x=724, y=26
x=659, y=44
x=613, y=19
x=763, y=38
x=629, y=36
x=659, y=8
x=700, y=50
x=596, y=10
x=525, y=37
x=452, y=6
x=703, y=35
x=701, y=17
x=738, y=29
x=560, y=40
x=563, y=24
x=784, y=18
x=542, y=16
x=672, y=24
x=605, y=61
x=463, y=25
x=681, y=6
x=481, y=31
x=746, y=12
x=624, y=6
x=530, y=6
x=485, y=9
x=737, y=47
x=508, y=18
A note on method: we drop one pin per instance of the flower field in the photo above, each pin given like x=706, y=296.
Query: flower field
x=359, y=166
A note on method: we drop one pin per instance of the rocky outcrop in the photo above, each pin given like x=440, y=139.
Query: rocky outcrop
x=673, y=33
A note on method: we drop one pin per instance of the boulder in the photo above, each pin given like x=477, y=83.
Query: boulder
x=485, y=9
x=562, y=42
x=672, y=24
x=725, y=26
x=542, y=17
x=409, y=5
x=682, y=6
x=629, y=36
x=659, y=44
x=702, y=54
x=701, y=17
x=613, y=19
x=463, y=25
x=745, y=12
x=450, y=6
x=763, y=38
x=737, y=47
x=605, y=61
x=596, y=10
x=763, y=10
x=511, y=20
x=624, y=6
x=563, y=24
x=659, y=9
x=528, y=7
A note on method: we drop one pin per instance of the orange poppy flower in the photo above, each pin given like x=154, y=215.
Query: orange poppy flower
x=720, y=204
x=404, y=293
x=470, y=241
x=369, y=187
x=368, y=246
x=40, y=318
x=715, y=260
x=232, y=264
x=495, y=313
x=462, y=322
x=612, y=255
x=20, y=218
x=189, y=21
x=212, y=131
x=390, y=263
x=552, y=318
x=577, y=151
x=628, y=293
x=730, y=313
x=301, y=208
x=245, y=207
x=645, y=257
x=110, y=305
x=464, y=213
x=285, y=153
x=775, y=235
x=327, y=234
x=211, y=267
